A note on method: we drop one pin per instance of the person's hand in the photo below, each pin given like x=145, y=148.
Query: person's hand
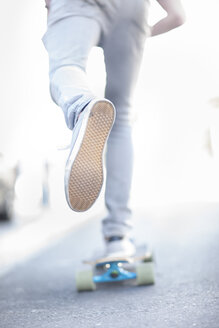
x=47, y=6
x=47, y=3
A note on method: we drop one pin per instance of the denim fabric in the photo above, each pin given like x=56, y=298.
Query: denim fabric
x=120, y=28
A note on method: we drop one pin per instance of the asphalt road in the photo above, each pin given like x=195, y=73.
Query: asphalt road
x=41, y=292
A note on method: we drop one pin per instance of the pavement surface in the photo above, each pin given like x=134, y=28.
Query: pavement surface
x=40, y=292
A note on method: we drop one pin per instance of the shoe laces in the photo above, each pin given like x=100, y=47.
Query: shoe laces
x=64, y=147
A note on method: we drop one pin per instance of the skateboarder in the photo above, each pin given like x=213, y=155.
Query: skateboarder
x=120, y=27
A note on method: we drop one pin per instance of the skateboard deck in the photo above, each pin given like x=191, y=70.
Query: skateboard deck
x=113, y=269
x=128, y=259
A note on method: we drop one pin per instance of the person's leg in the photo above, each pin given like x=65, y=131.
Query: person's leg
x=123, y=51
x=68, y=42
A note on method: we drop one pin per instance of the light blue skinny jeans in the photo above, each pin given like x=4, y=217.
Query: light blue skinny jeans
x=120, y=28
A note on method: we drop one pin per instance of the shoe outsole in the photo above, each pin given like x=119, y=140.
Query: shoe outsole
x=86, y=176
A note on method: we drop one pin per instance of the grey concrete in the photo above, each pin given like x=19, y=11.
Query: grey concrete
x=41, y=292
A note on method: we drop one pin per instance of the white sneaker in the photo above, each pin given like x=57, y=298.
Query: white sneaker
x=84, y=167
x=120, y=247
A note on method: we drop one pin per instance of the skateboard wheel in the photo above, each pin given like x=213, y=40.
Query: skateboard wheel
x=84, y=281
x=145, y=274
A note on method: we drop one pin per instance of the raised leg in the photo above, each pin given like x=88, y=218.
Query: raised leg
x=68, y=43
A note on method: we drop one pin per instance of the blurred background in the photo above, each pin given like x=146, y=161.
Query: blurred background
x=175, y=192
x=176, y=132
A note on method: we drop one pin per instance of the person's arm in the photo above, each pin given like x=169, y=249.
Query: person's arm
x=175, y=17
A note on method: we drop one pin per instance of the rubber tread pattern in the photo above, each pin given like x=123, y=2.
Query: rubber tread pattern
x=86, y=177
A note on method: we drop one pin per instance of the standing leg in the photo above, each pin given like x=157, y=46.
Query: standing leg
x=123, y=51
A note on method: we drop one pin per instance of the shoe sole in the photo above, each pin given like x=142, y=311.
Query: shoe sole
x=86, y=176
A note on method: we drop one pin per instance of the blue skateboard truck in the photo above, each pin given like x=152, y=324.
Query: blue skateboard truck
x=116, y=269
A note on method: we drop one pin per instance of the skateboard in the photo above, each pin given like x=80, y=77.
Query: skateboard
x=139, y=268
